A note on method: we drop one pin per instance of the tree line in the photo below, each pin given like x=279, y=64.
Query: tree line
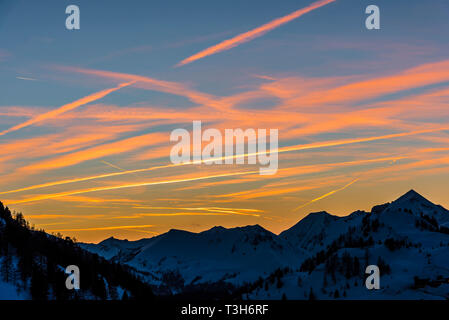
x=35, y=261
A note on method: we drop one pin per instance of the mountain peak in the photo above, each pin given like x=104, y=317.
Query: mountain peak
x=254, y=227
x=412, y=192
x=412, y=196
x=111, y=240
x=320, y=217
x=177, y=232
x=320, y=214
x=245, y=229
x=313, y=221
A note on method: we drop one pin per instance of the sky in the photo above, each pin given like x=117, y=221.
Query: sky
x=86, y=115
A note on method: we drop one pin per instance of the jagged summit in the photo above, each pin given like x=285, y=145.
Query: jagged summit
x=108, y=240
x=243, y=228
x=413, y=200
x=250, y=228
x=320, y=217
x=411, y=206
x=412, y=196
x=306, y=229
x=410, y=199
x=320, y=214
x=217, y=229
x=412, y=192
x=178, y=231
x=112, y=240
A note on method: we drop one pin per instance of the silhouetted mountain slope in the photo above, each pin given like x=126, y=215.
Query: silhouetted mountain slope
x=309, y=230
x=236, y=255
x=32, y=265
x=408, y=239
x=323, y=256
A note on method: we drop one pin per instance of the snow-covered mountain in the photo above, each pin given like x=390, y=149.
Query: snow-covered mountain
x=408, y=239
x=322, y=256
x=236, y=255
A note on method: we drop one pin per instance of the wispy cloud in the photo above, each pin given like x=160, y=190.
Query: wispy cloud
x=311, y=146
x=420, y=76
x=112, y=165
x=214, y=210
x=326, y=195
x=4, y=54
x=66, y=107
x=26, y=79
x=149, y=83
x=134, y=185
x=104, y=228
x=255, y=33
x=96, y=152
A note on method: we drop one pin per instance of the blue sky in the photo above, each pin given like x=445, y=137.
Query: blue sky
x=321, y=77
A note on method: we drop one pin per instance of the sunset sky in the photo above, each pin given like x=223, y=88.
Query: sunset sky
x=86, y=115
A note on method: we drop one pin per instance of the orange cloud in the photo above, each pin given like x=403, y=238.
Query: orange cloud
x=66, y=107
x=153, y=84
x=97, y=152
x=427, y=74
x=63, y=216
x=215, y=210
x=76, y=192
x=317, y=145
x=359, y=140
x=104, y=228
x=265, y=191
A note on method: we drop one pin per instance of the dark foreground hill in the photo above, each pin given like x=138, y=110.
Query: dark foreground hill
x=33, y=263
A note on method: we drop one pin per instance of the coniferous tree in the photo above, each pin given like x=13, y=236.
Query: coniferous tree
x=312, y=295
x=6, y=266
x=39, y=285
x=42, y=258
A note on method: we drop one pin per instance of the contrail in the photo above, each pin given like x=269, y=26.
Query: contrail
x=209, y=209
x=326, y=195
x=26, y=78
x=115, y=167
x=255, y=33
x=70, y=193
x=104, y=228
x=106, y=175
x=66, y=107
x=112, y=165
x=214, y=213
x=142, y=231
x=311, y=146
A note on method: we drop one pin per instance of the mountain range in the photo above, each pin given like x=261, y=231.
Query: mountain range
x=321, y=257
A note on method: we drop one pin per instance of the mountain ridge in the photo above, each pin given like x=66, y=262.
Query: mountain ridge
x=411, y=195
x=241, y=256
x=322, y=256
